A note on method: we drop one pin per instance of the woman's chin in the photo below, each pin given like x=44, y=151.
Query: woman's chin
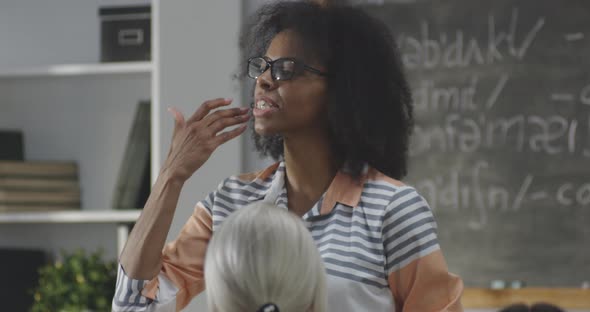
x=265, y=129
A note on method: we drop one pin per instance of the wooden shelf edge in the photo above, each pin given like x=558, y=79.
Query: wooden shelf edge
x=569, y=298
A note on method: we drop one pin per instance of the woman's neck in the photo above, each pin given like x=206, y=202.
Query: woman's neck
x=310, y=168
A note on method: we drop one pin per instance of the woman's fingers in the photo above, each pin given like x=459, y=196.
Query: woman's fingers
x=225, y=113
x=228, y=135
x=196, y=138
x=206, y=107
x=178, y=119
x=222, y=123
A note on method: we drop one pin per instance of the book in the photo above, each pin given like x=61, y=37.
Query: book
x=38, y=184
x=11, y=145
x=24, y=201
x=40, y=197
x=39, y=169
x=134, y=171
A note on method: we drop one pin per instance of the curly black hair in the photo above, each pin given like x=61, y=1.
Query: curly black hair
x=369, y=101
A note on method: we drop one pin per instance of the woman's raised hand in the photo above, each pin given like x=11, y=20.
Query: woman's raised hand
x=195, y=138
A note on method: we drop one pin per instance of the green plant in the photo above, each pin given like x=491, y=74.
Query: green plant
x=79, y=282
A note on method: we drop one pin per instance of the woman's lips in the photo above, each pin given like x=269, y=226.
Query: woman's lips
x=264, y=107
x=264, y=102
x=264, y=112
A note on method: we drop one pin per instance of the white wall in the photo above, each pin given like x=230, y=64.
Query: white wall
x=198, y=55
x=36, y=32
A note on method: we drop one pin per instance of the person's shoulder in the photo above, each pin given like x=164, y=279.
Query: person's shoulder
x=395, y=191
x=377, y=181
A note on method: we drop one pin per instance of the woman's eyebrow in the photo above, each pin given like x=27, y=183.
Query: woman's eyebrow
x=268, y=58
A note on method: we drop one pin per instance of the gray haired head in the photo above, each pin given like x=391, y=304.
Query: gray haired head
x=264, y=254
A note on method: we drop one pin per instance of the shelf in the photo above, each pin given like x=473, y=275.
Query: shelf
x=86, y=216
x=78, y=70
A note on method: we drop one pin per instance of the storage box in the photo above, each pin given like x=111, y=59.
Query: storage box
x=125, y=33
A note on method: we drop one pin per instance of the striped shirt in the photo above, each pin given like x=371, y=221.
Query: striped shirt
x=376, y=236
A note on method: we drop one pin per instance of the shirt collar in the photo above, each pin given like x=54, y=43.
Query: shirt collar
x=277, y=186
x=344, y=189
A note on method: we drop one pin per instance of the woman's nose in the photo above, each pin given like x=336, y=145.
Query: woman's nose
x=266, y=82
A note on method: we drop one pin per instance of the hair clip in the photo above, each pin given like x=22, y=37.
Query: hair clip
x=268, y=307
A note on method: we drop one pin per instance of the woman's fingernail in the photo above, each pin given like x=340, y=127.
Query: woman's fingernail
x=229, y=99
x=244, y=109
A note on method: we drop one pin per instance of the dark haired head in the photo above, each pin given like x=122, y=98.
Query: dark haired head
x=369, y=106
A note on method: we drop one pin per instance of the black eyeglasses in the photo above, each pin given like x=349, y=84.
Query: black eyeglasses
x=280, y=69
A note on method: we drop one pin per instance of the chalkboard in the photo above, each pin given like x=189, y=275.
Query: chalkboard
x=501, y=148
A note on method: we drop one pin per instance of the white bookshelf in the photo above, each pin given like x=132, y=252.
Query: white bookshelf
x=71, y=107
x=122, y=218
x=74, y=70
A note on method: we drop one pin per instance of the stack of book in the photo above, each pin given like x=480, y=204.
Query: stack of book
x=38, y=186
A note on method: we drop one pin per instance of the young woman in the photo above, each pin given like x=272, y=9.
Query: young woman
x=264, y=259
x=332, y=105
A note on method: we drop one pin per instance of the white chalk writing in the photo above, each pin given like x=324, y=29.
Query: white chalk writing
x=574, y=36
x=550, y=135
x=459, y=50
x=456, y=192
x=429, y=96
x=585, y=95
